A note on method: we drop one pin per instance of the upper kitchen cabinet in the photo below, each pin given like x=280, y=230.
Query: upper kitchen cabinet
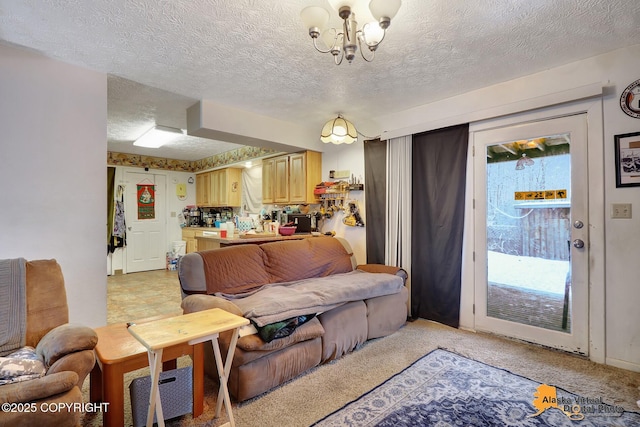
x=291, y=178
x=222, y=187
x=203, y=189
x=268, y=180
x=226, y=187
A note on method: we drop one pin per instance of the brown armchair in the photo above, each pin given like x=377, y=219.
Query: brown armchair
x=67, y=351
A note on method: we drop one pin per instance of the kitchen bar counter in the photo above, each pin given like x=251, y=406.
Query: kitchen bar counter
x=213, y=242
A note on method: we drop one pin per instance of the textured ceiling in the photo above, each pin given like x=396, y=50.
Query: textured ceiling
x=163, y=56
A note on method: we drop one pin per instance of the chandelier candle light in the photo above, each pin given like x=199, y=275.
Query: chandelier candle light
x=345, y=43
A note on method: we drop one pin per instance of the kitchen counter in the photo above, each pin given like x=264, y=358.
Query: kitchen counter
x=189, y=235
x=214, y=242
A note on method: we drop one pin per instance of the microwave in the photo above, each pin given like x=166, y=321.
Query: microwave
x=303, y=222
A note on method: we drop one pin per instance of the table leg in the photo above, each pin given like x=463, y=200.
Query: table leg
x=155, y=404
x=223, y=373
x=112, y=392
x=198, y=379
x=95, y=384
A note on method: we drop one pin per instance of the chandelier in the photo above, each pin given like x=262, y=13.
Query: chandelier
x=345, y=43
x=339, y=131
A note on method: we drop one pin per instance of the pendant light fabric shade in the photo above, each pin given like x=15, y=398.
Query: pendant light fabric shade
x=339, y=131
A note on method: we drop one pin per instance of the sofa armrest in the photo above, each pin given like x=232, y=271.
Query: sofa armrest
x=65, y=339
x=381, y=268
x=80, y=362
x=199, y=302
x=40, y=388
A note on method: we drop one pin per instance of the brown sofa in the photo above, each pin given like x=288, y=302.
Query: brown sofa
x=67, y=351
x=259, y=366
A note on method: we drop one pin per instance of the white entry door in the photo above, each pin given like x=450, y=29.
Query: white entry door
x=146, y=222
x=531, y=243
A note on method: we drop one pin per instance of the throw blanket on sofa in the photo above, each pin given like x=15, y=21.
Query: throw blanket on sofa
x=280, y=301
x=13, y=304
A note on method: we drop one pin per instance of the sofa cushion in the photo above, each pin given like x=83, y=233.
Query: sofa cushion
x=386, y=314
x=234, y=269
x=345, y=329
x=307, y=331
x=46, y=299
x=301, y=259
x=250, y=379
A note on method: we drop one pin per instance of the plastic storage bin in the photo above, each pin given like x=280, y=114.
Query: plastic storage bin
x=176, y=395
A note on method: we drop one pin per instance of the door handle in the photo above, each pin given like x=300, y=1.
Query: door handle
x=578, y=244
x=578, y=224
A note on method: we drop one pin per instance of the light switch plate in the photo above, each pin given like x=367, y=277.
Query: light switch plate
x=621, y=210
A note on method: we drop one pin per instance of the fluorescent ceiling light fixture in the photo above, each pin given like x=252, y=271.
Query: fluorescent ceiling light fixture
x=157, y=136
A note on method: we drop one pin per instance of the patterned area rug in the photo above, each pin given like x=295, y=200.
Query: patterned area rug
x=445, y=389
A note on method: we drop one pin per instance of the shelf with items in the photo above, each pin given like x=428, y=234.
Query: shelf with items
x=334, y=197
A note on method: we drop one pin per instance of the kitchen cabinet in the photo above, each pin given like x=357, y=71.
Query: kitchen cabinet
x=222, y=187
x=291, y=178
x=268, y=181
x=226, y=187
x=189, y=236
x=203, y=189
x=281, y=180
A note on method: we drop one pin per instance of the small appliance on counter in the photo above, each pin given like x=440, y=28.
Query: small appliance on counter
x=192, y=213
x=305, y=223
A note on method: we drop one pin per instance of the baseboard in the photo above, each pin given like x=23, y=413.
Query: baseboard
x=629, y=366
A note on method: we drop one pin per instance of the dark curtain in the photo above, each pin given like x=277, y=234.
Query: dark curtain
x=439, y=174
x=375, y=172
x=111, y=182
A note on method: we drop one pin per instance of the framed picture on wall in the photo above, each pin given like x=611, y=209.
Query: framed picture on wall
x=627, y=159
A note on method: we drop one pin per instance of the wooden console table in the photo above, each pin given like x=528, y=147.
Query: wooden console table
x=192, y=328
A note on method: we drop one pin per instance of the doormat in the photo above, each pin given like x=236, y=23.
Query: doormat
x=445, y=389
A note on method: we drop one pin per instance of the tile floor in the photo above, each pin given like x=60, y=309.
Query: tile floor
x=143, y=294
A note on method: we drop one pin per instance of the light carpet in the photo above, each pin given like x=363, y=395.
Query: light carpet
x=445, y=389
x=325, y=389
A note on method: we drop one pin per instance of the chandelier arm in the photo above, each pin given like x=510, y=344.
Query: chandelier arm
x=317, y=48
x=373, y=52
x=335, y=57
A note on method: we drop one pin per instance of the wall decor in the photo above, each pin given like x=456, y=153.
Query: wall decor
x=627, y=152
x=630, y=100
x=146, y=201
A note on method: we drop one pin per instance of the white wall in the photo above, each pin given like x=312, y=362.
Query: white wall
x=173, y=232
x=347, y=157
x=615, y=70
x=53, y=118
